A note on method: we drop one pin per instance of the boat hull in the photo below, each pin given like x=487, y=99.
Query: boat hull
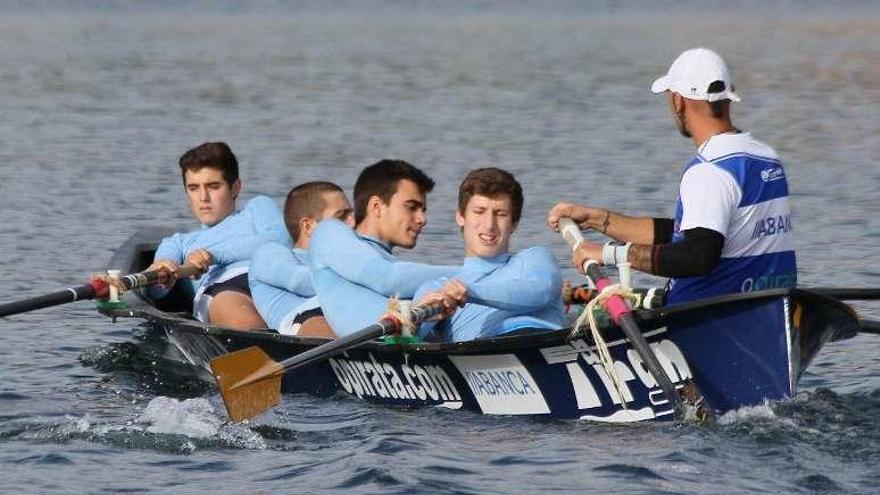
x=738, y=350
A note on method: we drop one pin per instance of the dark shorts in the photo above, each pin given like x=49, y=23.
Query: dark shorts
x=238, y=283
x=309, y=313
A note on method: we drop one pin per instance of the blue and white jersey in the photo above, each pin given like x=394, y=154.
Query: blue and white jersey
x=280, y=279
x=231, y=242
x=736, y=186
x=505, y=293
x=354, y=276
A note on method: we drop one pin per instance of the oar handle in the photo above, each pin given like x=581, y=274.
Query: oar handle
x=615, y=305
x=621, y=314
x=153, y=277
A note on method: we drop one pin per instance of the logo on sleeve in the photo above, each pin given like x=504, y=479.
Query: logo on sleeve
x=772, y=174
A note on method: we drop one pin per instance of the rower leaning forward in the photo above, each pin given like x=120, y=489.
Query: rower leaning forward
x=732, y=229
x=224, y=243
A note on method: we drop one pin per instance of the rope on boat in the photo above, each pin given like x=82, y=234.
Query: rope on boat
x=589, y=314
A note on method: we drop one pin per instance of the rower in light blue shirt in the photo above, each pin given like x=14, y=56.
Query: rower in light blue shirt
x=354, y=271
x=224, y=244
x=280, y=277
x=500, y=292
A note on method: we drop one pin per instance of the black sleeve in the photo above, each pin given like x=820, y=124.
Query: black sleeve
x=697, y=254
x=663, y=228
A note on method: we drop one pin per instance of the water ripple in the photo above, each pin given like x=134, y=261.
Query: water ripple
x=106, y=97
x=629, y=471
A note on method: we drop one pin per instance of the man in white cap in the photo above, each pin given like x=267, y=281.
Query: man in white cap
x=732, y=229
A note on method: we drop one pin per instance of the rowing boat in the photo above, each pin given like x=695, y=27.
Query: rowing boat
x=738, y=350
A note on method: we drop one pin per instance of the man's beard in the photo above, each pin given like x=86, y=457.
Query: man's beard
x=682, y=127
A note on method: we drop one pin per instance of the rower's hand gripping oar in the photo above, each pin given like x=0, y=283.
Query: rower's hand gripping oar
x=94, y=289
x=250, y=381
x=619, y=311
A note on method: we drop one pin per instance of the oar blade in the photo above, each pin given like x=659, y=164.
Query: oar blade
x=249, y=382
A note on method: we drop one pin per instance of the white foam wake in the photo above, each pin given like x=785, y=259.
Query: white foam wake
x=747, y=414
x=190, y=417
x=196, y=418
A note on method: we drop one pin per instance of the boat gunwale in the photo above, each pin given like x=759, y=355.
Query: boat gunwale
x=141, y=307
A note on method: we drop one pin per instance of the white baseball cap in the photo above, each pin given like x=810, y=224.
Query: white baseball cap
x=692, y=73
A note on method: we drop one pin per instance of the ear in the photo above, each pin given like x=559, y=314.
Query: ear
x=375, y=206
x=459, y=219
x=678, y=103
x=306, y=226
x=236, y=188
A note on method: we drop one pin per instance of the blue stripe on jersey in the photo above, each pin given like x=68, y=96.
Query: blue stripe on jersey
x=759, y=178
x=732, y=275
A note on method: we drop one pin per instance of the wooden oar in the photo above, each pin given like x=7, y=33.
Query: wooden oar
x=621, y=314
x=250, y=381
x=95, y=288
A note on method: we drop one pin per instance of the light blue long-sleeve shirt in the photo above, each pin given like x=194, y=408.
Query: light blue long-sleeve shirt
x=505, y=293
x=354, y=276
x=231, y=242
x=280, y=281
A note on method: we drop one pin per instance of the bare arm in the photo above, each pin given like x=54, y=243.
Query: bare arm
x=638, y=230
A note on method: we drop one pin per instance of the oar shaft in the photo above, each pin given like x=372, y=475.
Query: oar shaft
x=387, y=325
x=847, y=293
x=68, y=295
x=94, y=289
x=621, y=314
x=870, y=326
x=332, y=348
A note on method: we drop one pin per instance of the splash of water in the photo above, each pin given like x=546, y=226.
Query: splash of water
x=191, y=417
x=747, y=414
x=197, y=418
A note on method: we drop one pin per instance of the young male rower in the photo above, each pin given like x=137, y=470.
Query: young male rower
x=226, y=240
x=354, y=271
x=732, y=229
x=280, y=277
x=503, y=292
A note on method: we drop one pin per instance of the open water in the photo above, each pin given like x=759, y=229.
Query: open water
x=98, y=99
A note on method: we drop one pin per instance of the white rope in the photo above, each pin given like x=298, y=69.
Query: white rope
x=589, y=314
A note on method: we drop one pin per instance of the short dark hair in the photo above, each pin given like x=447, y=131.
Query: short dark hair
x=381, y=179
x=212, y=155
x=720, y=107
x=306, y=200
x=491, y=182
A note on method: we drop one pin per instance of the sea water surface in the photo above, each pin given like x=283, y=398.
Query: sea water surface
x=99, y=99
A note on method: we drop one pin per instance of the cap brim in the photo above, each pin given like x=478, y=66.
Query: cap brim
x=660, y=85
